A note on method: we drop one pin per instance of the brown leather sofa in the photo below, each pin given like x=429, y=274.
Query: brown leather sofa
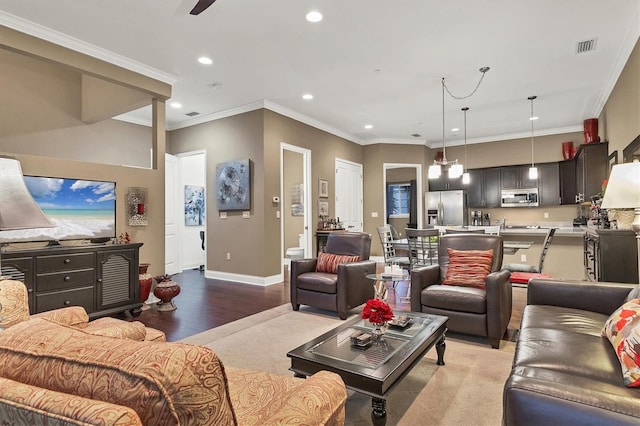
x=480, y=312
x=564, y=372
x=339, y=292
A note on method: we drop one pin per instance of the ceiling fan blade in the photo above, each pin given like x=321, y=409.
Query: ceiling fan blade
x=201, y=6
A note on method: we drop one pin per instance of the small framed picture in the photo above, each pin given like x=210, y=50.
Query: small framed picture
x=323, y=208
x=323, y=188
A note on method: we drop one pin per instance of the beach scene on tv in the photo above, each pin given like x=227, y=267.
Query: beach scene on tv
x=79, y=209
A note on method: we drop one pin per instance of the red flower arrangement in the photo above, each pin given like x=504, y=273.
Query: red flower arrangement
x=377, y=311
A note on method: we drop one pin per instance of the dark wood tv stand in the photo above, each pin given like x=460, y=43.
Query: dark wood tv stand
x=102, y=278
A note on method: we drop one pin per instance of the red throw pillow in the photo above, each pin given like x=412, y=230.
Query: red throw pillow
x=328, y=262
x=468, y=268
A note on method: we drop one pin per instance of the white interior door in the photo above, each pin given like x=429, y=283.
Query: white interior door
x=349, y=195
x=171, y=225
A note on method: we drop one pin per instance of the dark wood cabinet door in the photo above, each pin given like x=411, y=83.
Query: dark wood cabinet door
x=475, y=188
x=549, y=184
x=492, y=188
x=568, y=189
x=443, y=183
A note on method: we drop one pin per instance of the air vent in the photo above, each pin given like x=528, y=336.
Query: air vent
x=416, y=135
x=192, y=114
x=586, y=45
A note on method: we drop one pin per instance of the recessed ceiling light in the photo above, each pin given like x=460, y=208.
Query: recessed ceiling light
x=307, y=96
x=368, y=126
x=533, y=118
x=205, y=61
x=175, y=105
x=314, y=16
x=455, y=129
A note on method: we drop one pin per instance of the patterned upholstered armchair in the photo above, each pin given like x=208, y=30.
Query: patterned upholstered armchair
x=467, y=285
x=327, y=282
x=14, y=309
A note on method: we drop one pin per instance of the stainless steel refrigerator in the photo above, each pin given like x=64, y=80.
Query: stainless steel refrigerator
x=446, y=208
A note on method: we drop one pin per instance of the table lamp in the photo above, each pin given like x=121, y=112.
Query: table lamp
x=623, y=192
x=18, y=210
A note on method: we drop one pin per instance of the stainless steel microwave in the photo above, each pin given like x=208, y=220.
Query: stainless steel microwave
x=520, y=197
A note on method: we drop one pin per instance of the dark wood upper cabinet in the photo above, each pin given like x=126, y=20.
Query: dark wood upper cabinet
x=592, y=167
x=443, y=183
x=516, y=177
x=568, y=190
x=484, y=189
x=549, y=184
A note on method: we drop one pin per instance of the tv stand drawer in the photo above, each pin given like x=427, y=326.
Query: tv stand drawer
x=62, y=280
x=64, y=262
x=65, y=298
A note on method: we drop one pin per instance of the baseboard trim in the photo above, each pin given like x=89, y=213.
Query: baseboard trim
x=245, y=279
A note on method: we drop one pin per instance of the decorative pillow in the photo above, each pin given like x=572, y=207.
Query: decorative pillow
x=633, y=294
x=623, y=331
x=328, y=262
x=468, y=268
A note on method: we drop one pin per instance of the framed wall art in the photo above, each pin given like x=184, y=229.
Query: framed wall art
x=232, y=185
x=323, y=188
x=323, y=208
x=193, y=205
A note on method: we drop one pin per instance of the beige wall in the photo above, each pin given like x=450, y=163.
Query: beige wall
x=619, y=123
x=40, y=125
x=233, y=138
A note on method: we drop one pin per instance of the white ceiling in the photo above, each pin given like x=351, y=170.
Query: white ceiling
x=368, y=62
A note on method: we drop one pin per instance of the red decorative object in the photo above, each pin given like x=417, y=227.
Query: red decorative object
x=166, y=290
x=574, y=150
x=140, y=208
x=145, y=280
x=439, y=156
x=591, y=130
x=377, y=311
x=567, y=149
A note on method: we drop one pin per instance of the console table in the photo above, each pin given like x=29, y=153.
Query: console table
x=103, y=279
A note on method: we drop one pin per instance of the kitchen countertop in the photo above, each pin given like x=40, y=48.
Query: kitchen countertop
x=562, y=231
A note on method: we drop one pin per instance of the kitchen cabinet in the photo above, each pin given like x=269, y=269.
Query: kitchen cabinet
x=548, y=184
x=103, y=279
x=443, y=183
x=484, y=189
x=610, y=255
x=516, y=177
x=567, y=172
x=592, y=167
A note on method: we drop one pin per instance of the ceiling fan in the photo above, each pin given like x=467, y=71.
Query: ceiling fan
x=201, y=6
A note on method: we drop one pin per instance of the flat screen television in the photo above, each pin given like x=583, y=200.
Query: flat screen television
x=80, y=209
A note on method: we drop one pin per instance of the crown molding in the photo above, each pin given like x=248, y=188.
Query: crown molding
x=632, y=37
x=205, y=118
x=56, y=37
x=133, y=120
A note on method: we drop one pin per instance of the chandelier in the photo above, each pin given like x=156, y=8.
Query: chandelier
x=455, y=169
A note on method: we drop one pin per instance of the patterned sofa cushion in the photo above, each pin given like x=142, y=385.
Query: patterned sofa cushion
x=14, y=307
x=21, y=404
x=261, y=398
x=169, y=383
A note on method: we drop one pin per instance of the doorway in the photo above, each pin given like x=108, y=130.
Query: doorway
x=349, y=195
x=403, y=175
x=295, y=200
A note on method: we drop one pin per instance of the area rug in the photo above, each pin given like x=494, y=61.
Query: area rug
x=465, y=391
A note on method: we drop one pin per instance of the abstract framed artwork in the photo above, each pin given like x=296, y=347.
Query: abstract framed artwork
x=193, y=205
x=232, y=185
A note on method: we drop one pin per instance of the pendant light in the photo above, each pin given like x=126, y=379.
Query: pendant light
x=533, y=170
x=466, y=179
x=455, y=169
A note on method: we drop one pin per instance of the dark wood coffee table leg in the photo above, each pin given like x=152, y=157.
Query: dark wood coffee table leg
x=302, y=376
x=440, y=347
x=379, y=413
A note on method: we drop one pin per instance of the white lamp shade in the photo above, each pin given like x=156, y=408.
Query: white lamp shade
x=435, y=171
x=466, y=178
x=455, y=171
x=623, y=187
x=18, y=210
x=533, y=173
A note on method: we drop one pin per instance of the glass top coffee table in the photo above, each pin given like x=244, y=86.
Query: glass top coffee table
x=376, y=369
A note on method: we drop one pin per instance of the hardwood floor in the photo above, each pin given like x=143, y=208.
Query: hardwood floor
x=206, y=303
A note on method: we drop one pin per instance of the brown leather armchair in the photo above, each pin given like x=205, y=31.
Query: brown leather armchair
x=480, y=312
x=339, y=292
